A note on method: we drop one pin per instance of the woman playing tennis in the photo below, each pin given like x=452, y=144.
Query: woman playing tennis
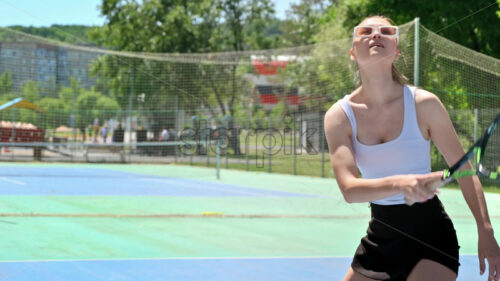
x=384, y=129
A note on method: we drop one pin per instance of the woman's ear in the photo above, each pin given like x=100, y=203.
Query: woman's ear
x=351, y=52
x=397, y=55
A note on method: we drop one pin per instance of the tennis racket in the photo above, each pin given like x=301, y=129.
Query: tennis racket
x=485, y=154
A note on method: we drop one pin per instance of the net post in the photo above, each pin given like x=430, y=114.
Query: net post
x=294, y=146
x=14, y=119
x=416, y=58
x=73, y=122
x=131, y=104
x=217, y=157
x=247, y=146
x=191, y=158
x=227, y=153
x=476, y=120
x=269, y=151
x=207, y=154
x=322, y=144
x=206, y=139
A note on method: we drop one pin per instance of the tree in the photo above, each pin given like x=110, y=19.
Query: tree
x=244, y=24
x=75, y=34
x=55, y=108
x=325, y=73
x=175, y=26
x=464, y=22
x=469, y=23
x=303, y=22
x=473, y=24
x=92, y=105
x=31, y=92
x=166, y=26
x=5, y=82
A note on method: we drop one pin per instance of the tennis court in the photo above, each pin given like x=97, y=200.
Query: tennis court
x=169, y=222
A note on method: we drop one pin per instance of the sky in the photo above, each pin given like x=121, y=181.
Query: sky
x=83, y=12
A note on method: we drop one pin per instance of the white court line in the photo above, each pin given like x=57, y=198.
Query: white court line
x=12, y=181
x=175, y=181
x=179, y=258
x=193, y=258
x=226, y=189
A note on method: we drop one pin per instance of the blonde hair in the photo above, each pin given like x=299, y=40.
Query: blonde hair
x=397, y=76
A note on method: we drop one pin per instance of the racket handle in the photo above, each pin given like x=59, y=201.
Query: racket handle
x=433, y=186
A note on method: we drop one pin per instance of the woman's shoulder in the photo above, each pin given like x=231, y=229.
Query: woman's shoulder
x=339, y=108
x=336, y=117
x=426, y=98
x=341, y=105
x=335, y=111
x=427, y=103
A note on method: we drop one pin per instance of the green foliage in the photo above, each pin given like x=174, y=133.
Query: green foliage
x=114, y=75
x=92, y=105
x=7, y=97
x=324, y=76
x=86, y=105
x=152, y=25
x=458, y=22
x=107, y=106
x=277, y=114
x=5, y=82
x=259, y=119
x=75, y=34
x=332, y=24
x=184, y=27
x=473, y=24
x=31, y=91
x=242, y=112
x=303, y=23
x=55, y=108
x=244, y=24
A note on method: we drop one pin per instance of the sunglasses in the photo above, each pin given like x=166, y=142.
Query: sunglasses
x=368, y=30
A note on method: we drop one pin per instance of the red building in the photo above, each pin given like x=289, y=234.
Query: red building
x=270, y=88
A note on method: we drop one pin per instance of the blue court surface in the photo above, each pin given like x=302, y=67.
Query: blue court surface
x=199, y=269
x=52, y=181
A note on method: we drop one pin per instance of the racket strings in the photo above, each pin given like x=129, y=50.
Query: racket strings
x=491, y=156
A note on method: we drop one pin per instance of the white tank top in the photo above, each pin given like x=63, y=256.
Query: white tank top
x=409, y=153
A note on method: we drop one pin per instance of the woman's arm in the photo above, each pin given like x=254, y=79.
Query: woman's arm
x=354, y=189
x=433, y=117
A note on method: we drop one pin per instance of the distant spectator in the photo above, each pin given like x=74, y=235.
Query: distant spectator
x=95, y=128
x=83, y=132
x=164, y=135
x=172, y=134
x=104, y=133
x=90, y=131
x=118, y=134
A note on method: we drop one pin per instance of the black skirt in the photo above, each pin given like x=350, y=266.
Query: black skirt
x=399, y=236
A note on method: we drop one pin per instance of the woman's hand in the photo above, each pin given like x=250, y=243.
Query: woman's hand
x=415, y=187
x=488, y=249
